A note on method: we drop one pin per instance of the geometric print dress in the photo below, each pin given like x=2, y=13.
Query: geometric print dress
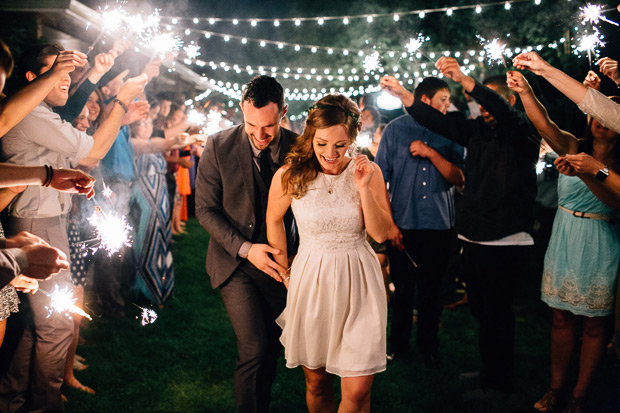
x=151, y=218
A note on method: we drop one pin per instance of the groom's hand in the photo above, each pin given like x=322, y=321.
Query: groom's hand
x=259, y=256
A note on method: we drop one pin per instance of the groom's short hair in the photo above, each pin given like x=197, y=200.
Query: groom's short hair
x=262, y=90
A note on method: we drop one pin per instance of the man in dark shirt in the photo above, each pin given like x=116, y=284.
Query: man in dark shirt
x=495, y=217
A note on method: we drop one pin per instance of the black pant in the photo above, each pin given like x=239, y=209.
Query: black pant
x=490, y=273
x=430, y=250
x=253, y=301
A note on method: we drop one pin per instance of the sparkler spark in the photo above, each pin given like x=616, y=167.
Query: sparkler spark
x=415, y=43
x=148, y=315
x=590, y=44
x=592, y=13
x=62, y=301
x=112, y=232
x=363, y=140
x=192, y=51
x=197, y=118
x=494, y=50
x=372, y=62
x=107, y=191
x=165, y=42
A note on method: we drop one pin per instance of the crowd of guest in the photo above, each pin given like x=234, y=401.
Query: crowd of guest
x=72, y=130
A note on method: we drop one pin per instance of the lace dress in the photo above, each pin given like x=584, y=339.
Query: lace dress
x=583, y=257
x=9, y=302
x=336, y=313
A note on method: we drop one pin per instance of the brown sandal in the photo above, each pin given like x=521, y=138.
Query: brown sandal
x=548, y=402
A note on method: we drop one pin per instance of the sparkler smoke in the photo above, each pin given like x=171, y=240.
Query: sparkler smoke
x=363, y=140
x=494, y=50
x=62, y=301
x=592, y=13
x=372, y=62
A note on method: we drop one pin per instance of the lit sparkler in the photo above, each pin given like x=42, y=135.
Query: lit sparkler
x=372, y=62
x=111, y=21
x=62, y=301
x=107, y=191
x=592, y=13
x=195, y=117
x=112, y=232
x=148, y=316
x=590, y=43
x=164, y=43
x=494, y=50
x=214, y=122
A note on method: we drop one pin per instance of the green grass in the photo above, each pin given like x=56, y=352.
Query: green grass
x=184, y=362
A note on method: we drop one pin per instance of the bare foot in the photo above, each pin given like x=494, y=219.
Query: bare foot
x=75, y=384
x=78, y=365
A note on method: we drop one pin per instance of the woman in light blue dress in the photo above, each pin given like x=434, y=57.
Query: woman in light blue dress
x=583, y=257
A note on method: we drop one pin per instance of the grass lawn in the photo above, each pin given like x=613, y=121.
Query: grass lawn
x=184, y=362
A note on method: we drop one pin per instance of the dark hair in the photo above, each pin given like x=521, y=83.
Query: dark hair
x=33, y=59
x=368, y=100
x=499, y=81
x=429, y=86
x=374, y=112
x=6, y=59
x=585, y=145
x=262, y=90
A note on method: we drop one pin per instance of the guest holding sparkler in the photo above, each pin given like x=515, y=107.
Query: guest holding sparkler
x=42, y=138
x=496, y=214
x=232, y=185
x=583, y=257
x=335, y=318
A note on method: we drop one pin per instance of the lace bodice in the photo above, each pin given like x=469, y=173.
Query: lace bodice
x=330, y=221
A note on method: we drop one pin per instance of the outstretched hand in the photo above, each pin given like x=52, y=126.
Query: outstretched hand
x=450, y=68
x=73, y=181
x=592, y=80
x=25, y=284
x=259, y=256
x=578, y=164
x=66, y=62
x=609, y=68
x=530, y=61
x=517, y=82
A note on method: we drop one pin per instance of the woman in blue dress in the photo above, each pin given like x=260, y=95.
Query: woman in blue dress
x=583, y=257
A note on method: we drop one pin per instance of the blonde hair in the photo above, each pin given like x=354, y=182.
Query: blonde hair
x=304, y=167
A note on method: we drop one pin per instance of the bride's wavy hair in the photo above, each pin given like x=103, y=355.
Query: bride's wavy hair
x=329, y=111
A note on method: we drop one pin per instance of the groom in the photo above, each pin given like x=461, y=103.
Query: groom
x=232, y=187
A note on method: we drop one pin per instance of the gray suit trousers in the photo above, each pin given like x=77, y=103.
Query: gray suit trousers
x=36, y=370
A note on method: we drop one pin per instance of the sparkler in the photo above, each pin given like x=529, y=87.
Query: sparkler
x=164, y=43
x=494, y=50
x=148, y=316
x=414, y=45
x=590, y=43
x=363, y=140
x=197, y=118
x=192, y=51
x=112, y=232
x=592, y=13
x=372, y=62
x=62, y=301
x=111, y=20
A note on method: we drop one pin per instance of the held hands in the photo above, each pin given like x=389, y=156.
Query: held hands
x=532, y=62
x=578, y=164
x=592, y=80
x=363, y=171
x=609, y=68
x=259, y=256
x=518, y=83
x=73, y=181
x=66, y=62
x=419, y=148
x=151, y=69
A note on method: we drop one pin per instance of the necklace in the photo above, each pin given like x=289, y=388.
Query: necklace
x=330, y=180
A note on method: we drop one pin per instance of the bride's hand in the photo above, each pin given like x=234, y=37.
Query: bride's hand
x=363, y=171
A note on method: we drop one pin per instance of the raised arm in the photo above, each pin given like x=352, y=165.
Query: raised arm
x=278, y=204
x=16, y=107
x=560, y=141
x=375, y=207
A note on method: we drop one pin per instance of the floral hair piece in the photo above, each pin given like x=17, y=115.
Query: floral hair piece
x=355, y=117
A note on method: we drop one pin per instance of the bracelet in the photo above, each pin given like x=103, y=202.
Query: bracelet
x=125, y=108
x=49, y=175
x=288, y=277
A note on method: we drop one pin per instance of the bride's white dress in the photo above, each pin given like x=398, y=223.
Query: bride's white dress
x=336, y=313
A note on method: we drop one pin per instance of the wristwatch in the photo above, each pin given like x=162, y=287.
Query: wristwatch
x=602, y=174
